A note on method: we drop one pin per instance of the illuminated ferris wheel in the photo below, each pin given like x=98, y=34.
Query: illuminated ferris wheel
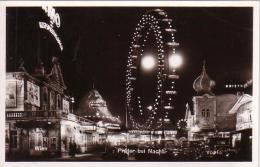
x=153, y=24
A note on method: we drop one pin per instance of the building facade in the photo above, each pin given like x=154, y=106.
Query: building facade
x=39, y=118
x=242, y=136
x=210, y=115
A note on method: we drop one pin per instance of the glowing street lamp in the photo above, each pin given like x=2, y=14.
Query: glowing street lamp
x=150, y=108
x=148, y=62
x=175, y=61
x=72, y=105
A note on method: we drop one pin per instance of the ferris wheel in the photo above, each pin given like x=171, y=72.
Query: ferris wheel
x=153, y=24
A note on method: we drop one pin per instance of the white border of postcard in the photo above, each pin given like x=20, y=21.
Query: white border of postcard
x=254, y=4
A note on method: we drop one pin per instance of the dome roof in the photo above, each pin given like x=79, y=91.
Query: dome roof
x=203, y=84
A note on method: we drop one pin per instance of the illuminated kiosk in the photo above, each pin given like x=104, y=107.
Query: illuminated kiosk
x=94, y=108
x=39, y=118
x=209, y=116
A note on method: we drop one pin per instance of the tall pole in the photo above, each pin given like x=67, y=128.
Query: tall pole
x=126, y=126
x=126, y=123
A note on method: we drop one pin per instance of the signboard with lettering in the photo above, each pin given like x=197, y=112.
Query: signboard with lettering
x=54, y=21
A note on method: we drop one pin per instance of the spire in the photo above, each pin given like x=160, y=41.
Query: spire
x=204, y=67
x=21, y=65
x=39, y=70
x=56, y=74
x=203, y=83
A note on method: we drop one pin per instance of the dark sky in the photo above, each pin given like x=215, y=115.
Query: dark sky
x=221, y=36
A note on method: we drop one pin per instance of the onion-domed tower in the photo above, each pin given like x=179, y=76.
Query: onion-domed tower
x=203, y=83
x=204, y=103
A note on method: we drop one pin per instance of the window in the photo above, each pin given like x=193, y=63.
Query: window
x=203, y=113
x=208, y=114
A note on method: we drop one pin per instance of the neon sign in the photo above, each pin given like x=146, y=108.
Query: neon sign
x=54, y=17
x=54, y=20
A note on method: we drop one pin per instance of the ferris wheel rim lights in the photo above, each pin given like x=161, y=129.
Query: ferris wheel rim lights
x=153, y=20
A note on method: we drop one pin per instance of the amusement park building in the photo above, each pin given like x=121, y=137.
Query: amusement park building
x=211, y=114
x=39, y=118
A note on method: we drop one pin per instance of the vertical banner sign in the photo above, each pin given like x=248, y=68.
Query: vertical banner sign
x=54, y=22
x=10, y=98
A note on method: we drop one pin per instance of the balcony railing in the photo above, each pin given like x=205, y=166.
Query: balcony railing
x=24, y=115
x=33, y=114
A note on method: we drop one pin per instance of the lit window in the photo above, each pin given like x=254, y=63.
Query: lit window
x=203, y=114
x=208, y=114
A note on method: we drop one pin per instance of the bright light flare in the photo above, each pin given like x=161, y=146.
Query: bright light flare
x=148, y=62
x=175, y=61
x=150, y=108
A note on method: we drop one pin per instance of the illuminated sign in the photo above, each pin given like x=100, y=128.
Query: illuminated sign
x=97, y=104
x=169, y=92
x=54, y=17
x=168, y=107
x=88, y=128
x=40, y=148
x=54, y=20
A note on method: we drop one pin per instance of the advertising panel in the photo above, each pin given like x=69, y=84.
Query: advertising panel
x=33, y=94
x=10, y=98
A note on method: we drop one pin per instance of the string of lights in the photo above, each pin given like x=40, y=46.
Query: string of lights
x=154, y=23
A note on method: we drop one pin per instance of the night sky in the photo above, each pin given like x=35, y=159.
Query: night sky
x=97, y=41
